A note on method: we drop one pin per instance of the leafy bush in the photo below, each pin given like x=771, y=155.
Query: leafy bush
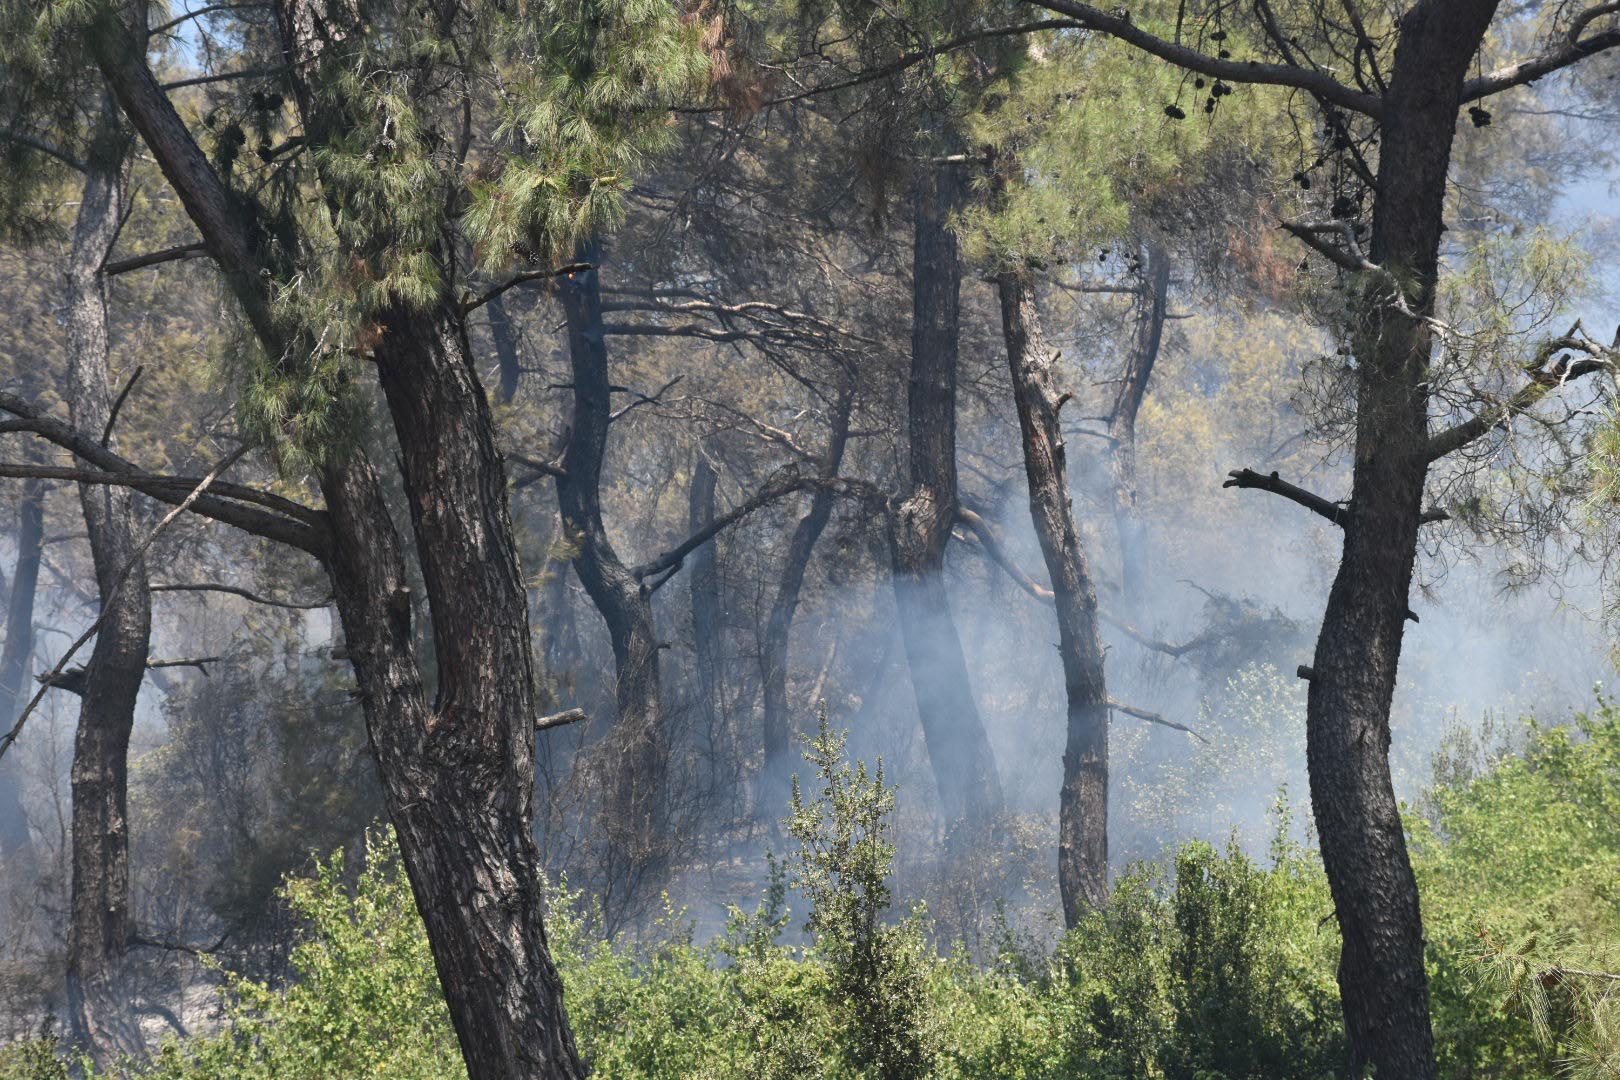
x=1211, y=965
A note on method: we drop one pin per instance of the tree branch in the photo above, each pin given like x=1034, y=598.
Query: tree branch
x=473, y=303
x=673, y=558
x=1571, y=50
x=286, y=521
x=986, y=535
x=107, y=605
x=1248, y=478
x=1543, y=381
x=46, y=148
x=118, y=404
x=1120, y=26
x=1154, y=718
x=557, y=720
x=153, y=258
x=233, y=590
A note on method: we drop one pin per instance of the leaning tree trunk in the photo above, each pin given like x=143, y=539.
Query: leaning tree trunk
x=639, y=766
x=14, y=656
x=1382, y=981
x=1124, y=490
x=1083, y=800
x=458, y=775
x=778, y=715
x=99, y=924
x=920, y=522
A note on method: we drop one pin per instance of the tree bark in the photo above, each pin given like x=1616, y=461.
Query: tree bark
x=1382, y=981
x=99, y=924
x=640, y=738
x=920, y=521
x=504, y=334
x=1083, y=800
x=458, y=775
x=1133, y=384
x=706, y=602
x=778, y=714
x=14, y=658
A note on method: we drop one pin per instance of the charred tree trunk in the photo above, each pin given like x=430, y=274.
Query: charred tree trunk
x=640, y=739
x=14, y=657
x=1128, y=523
x=504, y=334
x=99, y=924
x=458, y=775
x=706, y=603
x=1382, y=981
x=778, y=714
x=921, y=520
x=1083, y=801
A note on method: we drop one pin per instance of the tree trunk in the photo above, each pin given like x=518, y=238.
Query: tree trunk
x=920, y=522
x=458, y=776
x=778, y=714
x=99, y=924
x=1131, y=529
x=640, y=739
x=706, y=602
x=14, y=658
x=504, y=334
x=1083, y=800
x=1382, y=981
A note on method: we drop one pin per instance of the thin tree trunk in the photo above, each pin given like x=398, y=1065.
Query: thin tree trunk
x=704, y=584
x=504, y=333
x=1128, y=522
x=14, y=657
x=778, y=714
x=458, y=776
x=1083, y=800
x=920, y=522
x=99, y=924
x=640, y=743
x=1382, y=981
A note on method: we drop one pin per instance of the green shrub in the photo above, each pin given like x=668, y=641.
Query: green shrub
x=1211, y=965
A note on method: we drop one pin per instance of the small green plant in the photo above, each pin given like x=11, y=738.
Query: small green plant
x=879, y=970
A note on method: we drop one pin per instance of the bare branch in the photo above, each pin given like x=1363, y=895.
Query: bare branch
x=557, y=720
x=224, y=76
x=1248, y=478
x=1571, y=50
x=1154, y=718
x=1544, y=380
x=154, y=258
x=643, y=399
x=233, y=590
x=107, y=605
x=674, y=557
x=473, y=303
x=118, y=404
x=286, y=521
x=986, y=535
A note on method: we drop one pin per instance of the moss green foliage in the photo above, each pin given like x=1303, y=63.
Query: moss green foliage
x=1211, y=965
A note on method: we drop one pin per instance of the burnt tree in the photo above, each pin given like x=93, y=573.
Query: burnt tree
x=921, y=516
